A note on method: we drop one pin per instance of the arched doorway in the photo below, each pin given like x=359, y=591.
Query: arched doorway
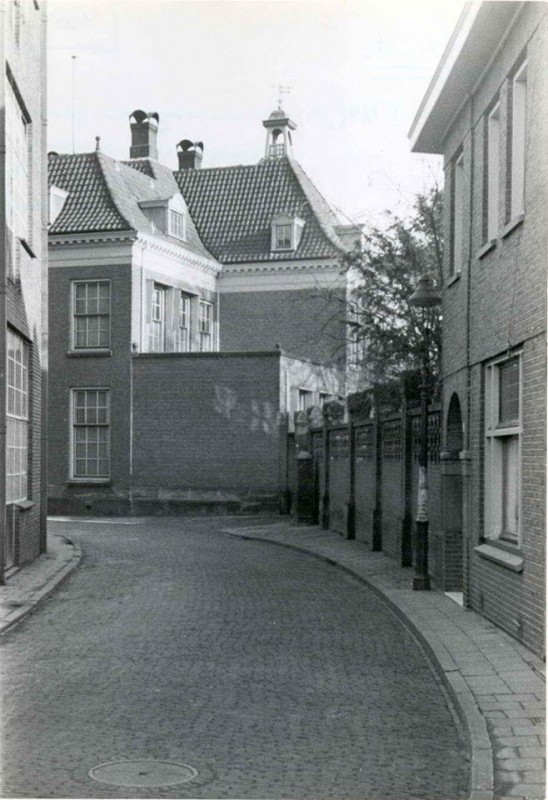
x=452, y=501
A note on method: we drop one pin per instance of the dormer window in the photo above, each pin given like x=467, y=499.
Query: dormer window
x=286, y=232
x=167, y=215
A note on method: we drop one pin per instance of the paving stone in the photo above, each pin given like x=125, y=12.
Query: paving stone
x=520, y=741
x=530, y=791
x=270, y=672
x=524, y=763
x=507, y=752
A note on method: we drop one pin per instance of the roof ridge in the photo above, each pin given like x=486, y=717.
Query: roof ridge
x=307, y=185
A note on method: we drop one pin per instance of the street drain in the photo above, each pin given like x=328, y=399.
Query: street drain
x=143, y=773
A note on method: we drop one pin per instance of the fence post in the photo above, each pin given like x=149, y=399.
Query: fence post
x=325, y=456
x=407, y=467
x=351, y=506
x=285, y=494
x=376, y=545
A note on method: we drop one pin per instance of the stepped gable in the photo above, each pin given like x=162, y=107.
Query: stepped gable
x=233, y=208
x=104, y=195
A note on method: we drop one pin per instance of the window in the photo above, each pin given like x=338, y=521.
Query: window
x=177, y=224
x=157, y=325
x=17, y=418
x=457, y=219
x=283, y=237
x=17, y=175
x=182, y=332
x=305, y=399
x=517, y=141
x=325, y=397
x=287, y=231
x=91, y=315
x=91, y=433
x=205, y=326
x=493, y=172
x=503, y=445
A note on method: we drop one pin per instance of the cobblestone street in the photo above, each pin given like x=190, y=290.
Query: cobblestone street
x=271, y=673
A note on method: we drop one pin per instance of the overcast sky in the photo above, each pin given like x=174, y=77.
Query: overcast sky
x=357, y=69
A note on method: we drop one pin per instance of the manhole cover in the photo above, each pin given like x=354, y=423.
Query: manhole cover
x=143, y=773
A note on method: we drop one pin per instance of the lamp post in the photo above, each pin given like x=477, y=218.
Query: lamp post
x=425, y=297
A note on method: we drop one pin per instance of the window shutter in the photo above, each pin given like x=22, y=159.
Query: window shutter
x=171, y=318
x=149, y=292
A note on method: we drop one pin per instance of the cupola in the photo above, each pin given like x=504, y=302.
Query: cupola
x=278, y=134
x=144, y=134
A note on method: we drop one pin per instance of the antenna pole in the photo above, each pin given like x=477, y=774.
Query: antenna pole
x=73, y=101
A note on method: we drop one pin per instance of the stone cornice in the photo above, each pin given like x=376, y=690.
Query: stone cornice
x=281, y=266
x=178, y=253
x=59, y=240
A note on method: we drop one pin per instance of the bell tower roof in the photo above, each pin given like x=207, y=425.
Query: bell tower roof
x=278, y=126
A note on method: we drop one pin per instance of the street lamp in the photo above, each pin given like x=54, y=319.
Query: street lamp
x=425, y=297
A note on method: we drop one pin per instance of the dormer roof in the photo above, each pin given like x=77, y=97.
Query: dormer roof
x=234, y=207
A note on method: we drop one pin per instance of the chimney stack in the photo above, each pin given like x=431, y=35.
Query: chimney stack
x=144, y=132
x=190, y=154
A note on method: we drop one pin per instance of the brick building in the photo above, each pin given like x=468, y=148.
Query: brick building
x=22, y=306
x=486, y=112
x=186, y=317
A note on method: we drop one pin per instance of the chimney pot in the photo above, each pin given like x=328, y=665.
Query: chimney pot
x=190, y=154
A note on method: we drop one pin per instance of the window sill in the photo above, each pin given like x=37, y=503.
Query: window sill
x=89, y=353
x=453, y=279
x=494, y=553
x=487, y=247
x=512, y=225
x=88, y=483
x=24, y=505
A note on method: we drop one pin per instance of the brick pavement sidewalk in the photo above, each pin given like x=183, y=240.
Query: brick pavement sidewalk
x=27, y=587
x=497, y=685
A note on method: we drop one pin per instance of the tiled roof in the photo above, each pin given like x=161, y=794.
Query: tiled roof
x=89, y=206
x=233, y=208
x=104, y=195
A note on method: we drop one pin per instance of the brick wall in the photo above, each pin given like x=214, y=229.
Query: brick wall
x=497, y=305
x=206, y=421
x=70, y=370
x=304, y=322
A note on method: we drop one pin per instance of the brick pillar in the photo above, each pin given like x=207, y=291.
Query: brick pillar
x=376, y=545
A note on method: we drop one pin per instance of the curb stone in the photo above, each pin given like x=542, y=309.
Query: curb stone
x=36, y=594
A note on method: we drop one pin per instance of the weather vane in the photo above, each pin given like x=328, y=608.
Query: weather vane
x=281, y=91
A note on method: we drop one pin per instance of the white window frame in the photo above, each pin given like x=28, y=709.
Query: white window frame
x=177, y=224
x=305, y=399
x=17, y=179
x=493, y=172
x=283, y=238
x=457, y=239
x=497, y=438
x=17, y=418
x=205, y=326
x=78, y=425
x=182, y=332
x=518, y=141
x=157, y=325
x=90, y=314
